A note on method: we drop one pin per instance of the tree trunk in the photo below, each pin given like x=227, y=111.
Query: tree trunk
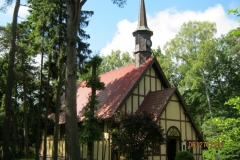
x=58, y=105
x=46, y=110
x=9, y=86
x=207, y=94
x=92, y=105
x=59, y=88
x=90, y=146
x=71, y=123
x=39, y=111
x=14, y=120
x=25, y=110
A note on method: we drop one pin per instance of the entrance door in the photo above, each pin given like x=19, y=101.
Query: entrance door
x=171, y=149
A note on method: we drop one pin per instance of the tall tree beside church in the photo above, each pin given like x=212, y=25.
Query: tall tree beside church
x=115, y=60
x=9, y=86
x=54, y=15
x=91, y=130
x=193, y=48
x=72, y=142
x=168, y=66
x=74, y=8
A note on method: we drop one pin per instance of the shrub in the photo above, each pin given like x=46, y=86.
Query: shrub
x=133, y=133
x=184, y=155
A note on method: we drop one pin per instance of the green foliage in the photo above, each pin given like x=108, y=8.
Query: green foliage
x=230, y=151
x=133, y=133
x=115, y=60
x=184, y=155
x=91, y=130
x=91, y=127
x=234, y=11
x=168, y=66
x=206, y=70
x=44, y=31
x=235, y=102
x=230, y=127
x=187, y=59
x=227, y=130
x=93, y=80
x=235, y=32
x=210, y=130
x=209, y=154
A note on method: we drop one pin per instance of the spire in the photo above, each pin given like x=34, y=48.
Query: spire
x=142, y=20
x=142, y=36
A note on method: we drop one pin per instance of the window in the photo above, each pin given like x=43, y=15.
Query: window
x=156, y=149
x=173, y=132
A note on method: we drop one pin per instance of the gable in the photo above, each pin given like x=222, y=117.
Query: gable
x=153, y=94
x=119, y=84
x=149, y=82
x=126, y=89
x=175, y=114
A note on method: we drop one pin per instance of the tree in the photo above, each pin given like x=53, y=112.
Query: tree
x=230, y=127
x=115, y=60
x=9, y=86
x=193, y=48
x=91, y=130
x=235, y=32
x=168, y=66
x=48, y=32
x=74, y=8
x=227, y=134
x=22, y=95
x=72, y=143
x=133, y=133
x=224, y=74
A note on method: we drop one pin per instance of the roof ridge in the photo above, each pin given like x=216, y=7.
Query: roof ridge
x=84, y=81
x=150, y=59
x=117, y=69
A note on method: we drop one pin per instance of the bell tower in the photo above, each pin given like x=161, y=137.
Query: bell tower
x=142, y=36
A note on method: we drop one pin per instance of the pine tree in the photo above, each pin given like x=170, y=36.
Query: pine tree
x=9, y=86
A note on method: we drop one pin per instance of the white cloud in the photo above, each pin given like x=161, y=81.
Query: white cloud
x=166, y=24
x=22, y=13
x=123, y=39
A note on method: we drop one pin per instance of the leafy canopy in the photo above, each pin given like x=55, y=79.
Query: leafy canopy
x=133, y=133
x=184, y=155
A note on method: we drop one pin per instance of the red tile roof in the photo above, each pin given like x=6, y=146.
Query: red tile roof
x=118, y=84
x=155, y=102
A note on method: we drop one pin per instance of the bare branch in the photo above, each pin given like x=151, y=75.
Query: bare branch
x=82, y=3
x=5, y=5
x=120, y=3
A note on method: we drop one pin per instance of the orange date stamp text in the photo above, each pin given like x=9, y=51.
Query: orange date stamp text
x=205, y=144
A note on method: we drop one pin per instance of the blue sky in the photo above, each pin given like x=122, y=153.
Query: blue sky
x=111, y=27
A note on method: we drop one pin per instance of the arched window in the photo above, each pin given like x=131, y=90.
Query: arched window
x=173, y=132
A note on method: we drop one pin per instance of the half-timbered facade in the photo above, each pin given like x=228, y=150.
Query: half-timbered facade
x=141, y=86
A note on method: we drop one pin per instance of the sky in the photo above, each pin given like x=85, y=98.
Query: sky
x=111, y=27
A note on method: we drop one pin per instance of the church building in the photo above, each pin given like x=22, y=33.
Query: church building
x=141, y=86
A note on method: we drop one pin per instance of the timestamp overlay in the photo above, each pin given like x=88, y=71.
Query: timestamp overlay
x=205, y=144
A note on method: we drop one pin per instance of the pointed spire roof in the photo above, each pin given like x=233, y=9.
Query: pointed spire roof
x=142, y=20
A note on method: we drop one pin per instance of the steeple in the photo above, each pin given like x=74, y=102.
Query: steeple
x=142, y=37
x=142, y=20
